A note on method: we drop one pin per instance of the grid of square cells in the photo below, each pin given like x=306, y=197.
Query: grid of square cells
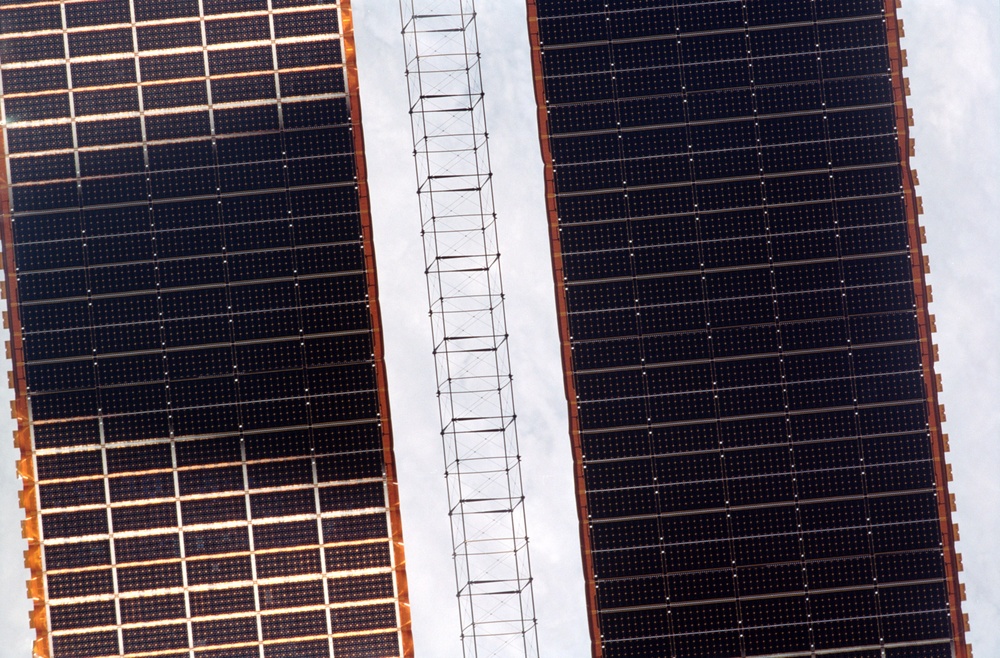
x=198, y=341
x=743, y=328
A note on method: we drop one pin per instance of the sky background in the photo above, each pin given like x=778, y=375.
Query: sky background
x=954, y=69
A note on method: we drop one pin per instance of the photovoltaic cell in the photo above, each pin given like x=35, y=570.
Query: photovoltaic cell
x=200, y=386
x=745, y=326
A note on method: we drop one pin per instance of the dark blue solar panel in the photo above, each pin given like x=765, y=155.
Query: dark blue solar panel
x=741, y=315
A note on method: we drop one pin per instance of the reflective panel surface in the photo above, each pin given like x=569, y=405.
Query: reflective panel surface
x=201, y=393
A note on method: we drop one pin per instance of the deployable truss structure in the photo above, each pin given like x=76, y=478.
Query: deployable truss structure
x=475, y=395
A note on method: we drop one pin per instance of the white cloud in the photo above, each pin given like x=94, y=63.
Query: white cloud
x=541, y=404
x=954, y=56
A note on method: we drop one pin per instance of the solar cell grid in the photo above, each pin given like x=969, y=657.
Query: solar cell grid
x=194, y=282
x=734, y=247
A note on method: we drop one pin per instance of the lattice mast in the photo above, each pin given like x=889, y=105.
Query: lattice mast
x=465, y=293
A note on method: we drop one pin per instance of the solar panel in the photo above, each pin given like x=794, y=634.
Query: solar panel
x=199, y=373
x=752, y=399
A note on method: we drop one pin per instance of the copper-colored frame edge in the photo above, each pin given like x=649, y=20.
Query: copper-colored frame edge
x=925, y=328
x=19, y=412
x=378, y=345
x=564, y=337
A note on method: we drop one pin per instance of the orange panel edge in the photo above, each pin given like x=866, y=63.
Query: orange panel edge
x=392, y=482
x=22, y=434
x=564, y=333
x=925, y=328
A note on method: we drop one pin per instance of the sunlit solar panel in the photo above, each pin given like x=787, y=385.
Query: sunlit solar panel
x=198, y=363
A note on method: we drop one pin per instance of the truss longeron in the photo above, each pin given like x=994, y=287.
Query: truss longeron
x=475, y=395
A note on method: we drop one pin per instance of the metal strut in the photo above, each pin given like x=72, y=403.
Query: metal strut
x=465, y=293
